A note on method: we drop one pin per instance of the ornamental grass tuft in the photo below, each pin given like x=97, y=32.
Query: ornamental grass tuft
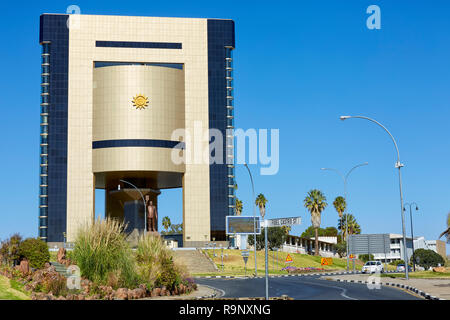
x=101, y=250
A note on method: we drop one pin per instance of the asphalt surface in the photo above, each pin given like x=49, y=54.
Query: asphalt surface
x=304, y=288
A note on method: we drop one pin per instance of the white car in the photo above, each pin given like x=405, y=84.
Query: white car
x=372, y=267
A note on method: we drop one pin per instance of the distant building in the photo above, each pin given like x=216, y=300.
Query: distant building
x=437, y=246
x=328, y=239
x=396, y=247
x=294, y=244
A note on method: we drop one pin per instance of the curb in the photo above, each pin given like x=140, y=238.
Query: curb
x=207, y=297
x=214, y=295
x=212, y=262
x=398, y=285
x=285, y=275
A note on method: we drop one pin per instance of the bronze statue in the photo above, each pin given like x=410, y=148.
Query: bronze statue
x=152, y=215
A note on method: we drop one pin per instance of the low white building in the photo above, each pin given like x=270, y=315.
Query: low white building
x=294, y=244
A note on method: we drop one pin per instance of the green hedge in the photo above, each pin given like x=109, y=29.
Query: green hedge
x=35, y=251
x=427, y=258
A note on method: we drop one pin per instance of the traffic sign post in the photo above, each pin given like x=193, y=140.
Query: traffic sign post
x=245, y=255
x=280, y=222
x=266, y=224
x=288, y=259
x=326, y=261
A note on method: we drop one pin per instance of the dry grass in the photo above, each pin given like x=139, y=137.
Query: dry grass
x=234, y=263
x=155, y=263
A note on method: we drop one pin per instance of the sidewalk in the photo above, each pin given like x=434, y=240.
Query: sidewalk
x=439, y=288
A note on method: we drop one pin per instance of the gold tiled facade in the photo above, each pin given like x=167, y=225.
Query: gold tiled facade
x=86, y=123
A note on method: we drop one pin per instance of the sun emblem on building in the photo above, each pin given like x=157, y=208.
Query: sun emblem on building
x=140, y=101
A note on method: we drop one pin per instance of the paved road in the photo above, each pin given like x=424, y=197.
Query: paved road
x=305, y=288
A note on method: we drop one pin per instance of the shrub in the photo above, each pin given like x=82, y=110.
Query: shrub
x=155, y=263
x=101, y=249
x=365, y=257
x=55, y=284
x=341, y=249
x=396, y=262
x=9, y=250
x=35, y=251
x=427, y=258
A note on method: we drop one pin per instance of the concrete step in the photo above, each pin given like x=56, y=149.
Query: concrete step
x=60, y=268
x=194, y=260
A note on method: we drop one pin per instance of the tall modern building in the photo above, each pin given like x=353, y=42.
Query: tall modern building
x=114, y=89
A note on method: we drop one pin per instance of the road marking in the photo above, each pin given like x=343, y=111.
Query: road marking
x=343, y=293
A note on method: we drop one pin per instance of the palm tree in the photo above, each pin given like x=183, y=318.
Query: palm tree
x=239, y=207
x=315, y=202
x=286, y=229
x=166, y=223
x=261, y=203
x=340, y=205
x=353, y=226
x=446, y=233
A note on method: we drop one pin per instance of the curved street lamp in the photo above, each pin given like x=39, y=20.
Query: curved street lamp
x=412, y=233
x=344, y=178
x=398, y=165
x=254, y=217
x=143, y=200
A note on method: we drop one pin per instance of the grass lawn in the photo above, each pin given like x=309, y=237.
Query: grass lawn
x=420, y=275
x=11, y=290
x=234, y=263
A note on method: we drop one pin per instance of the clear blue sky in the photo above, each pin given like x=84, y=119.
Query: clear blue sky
x=298, y=66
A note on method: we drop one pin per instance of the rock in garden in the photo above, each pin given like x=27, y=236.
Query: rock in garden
x=139, y=293
x=61, y=255
x=181, y=288
x=24, y=267
x=122, y=293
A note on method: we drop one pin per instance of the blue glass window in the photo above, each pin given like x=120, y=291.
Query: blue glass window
x=44, y=180
x=137, y=143
x=147, y=45
x=45, y=69
x=45, y=59
x=44, y=170
x=44, y=149
x=44, y=99
x=43, y=201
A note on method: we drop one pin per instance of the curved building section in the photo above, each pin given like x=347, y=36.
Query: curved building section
x=135, y=110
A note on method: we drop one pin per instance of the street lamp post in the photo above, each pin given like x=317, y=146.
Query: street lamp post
x=143, y=200
x=398, y=165
x=254, y=217
x=344, y=178
x=412, y=232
